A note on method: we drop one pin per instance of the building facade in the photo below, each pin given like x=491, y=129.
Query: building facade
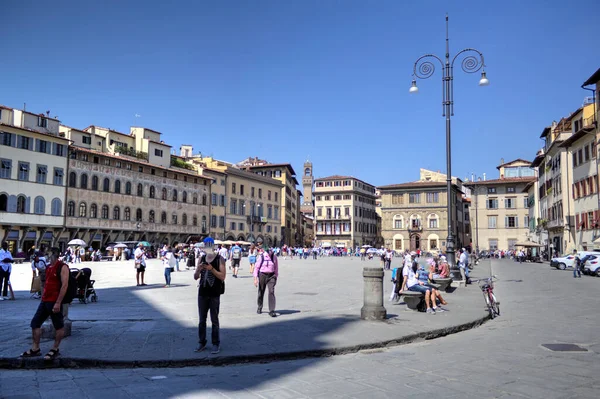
x=120, y=189
x=415, y=216
x=345, y=212
x=33, y=170
x=500, y=209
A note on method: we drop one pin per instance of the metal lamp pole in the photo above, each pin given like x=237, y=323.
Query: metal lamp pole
x=424, y=67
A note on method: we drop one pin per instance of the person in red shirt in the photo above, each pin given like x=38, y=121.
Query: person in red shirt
x=50, y=306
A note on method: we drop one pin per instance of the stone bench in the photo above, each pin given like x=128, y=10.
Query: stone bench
x=442, y=283
x=412, y=299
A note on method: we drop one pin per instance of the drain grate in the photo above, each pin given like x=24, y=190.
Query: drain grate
x=305, y=293
x=564, y=348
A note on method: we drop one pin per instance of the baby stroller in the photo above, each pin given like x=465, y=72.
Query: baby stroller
x=85, y=285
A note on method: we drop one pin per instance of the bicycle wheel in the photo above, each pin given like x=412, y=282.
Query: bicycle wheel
x=489, y=304
x=495, y=304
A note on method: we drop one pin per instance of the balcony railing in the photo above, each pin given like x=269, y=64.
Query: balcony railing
x=330, y=217
x=131, y=152
x=257, y=219
x=589, y=121
x=559, y=222
x=415, y=229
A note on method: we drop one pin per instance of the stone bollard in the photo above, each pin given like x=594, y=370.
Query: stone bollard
x=373, y=294
x=48, y=331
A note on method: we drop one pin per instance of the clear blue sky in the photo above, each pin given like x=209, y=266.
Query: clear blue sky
x=287, y=79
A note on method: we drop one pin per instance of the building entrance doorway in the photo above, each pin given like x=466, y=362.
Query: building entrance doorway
x=415, y=242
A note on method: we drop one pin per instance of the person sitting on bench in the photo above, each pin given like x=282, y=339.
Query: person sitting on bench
x=413, y=284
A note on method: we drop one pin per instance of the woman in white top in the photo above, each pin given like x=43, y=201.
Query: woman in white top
x=412, y=283
x=252, y=254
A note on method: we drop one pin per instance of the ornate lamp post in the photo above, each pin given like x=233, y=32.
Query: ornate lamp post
x=472, y=61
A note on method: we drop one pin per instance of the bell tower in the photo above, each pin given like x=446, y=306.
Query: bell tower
x=307, y=206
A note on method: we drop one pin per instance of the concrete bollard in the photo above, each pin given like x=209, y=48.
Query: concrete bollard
x=373, y=294
x=48, y=331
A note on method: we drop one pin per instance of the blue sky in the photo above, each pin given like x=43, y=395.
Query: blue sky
x=289, y=79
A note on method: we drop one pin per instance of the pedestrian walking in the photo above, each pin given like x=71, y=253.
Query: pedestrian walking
x=6, y=261
x=463, y=263
x=169, y=261
x=252, y=255
x=576, y=265
x=211, y=272
x=265, y=277
x=235, y=258
x=140, y=264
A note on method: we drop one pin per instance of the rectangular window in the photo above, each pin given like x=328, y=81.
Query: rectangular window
x=276, y=196
x=493, y=245
x=233, y=188
x=213, y=221
x=233, y=207
x=433, y=223
x=158, y=153
x=252, y=192
x=492, y=222
x=42, y=122
x=269, y=212
x=347, y=211
x=432, y=198
x=586, y=151
x=232, y=225
x=60, y=150
x=214, y=199
x=269, y=195
x=23, y=171
x=42, y=174
x=492, y=203
x=511, y=222
x=510, y=203
x=86, y=139
x=223, y=182
x=23, y=142
x=43, y=146
x=241, y=189
x=221, y=221
x=414, y=198
x=7, y=139
x=5, y=168
x=260, y=193
x=221, y=200
x=510, y=189
x=398, y=223
x=491, y=190
x=397, y=199
x=241, y=226
x=58, y=176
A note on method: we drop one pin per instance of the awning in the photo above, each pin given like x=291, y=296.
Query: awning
x=326, y=244
x=341, y=245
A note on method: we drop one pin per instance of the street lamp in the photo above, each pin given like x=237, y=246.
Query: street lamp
x=472, y=61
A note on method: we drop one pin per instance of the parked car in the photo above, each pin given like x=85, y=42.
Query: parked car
x=567, y=261
x=592, y=265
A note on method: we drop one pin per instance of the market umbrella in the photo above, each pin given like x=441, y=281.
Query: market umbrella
x=77, y=241
x=528, y=244
x=121, y=245
x=366, y=246
x=109, y=248
x=198, y=244
x=218, y=242
x=144, y=243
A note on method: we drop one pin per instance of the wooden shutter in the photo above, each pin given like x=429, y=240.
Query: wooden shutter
x=577, y=221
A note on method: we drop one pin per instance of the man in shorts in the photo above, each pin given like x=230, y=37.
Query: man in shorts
x=235, y=257
x=57, y=282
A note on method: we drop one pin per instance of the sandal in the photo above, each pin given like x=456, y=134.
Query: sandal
x=51, y=355
x=31, y=353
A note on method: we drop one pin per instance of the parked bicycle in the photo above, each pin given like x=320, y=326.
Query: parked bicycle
x=487, y=287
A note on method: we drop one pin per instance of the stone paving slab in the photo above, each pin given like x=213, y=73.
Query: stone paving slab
x=318, y=302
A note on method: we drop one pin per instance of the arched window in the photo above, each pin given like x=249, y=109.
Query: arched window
x=72, y=179
x=127, y=214
x=195, y=199
x=118, y=187
x=184, y=197
x=82, y=210
x=95, y=183
x=151, y=217
x=195, y=220
x=184, y=219
x=56, y=207
x=433, y=221
x=39, y=205
x=106, y=185
x=203, y=199
x=307, y=172
x=163, y=217
x=152, y=192
x=174, y=195
x=174, y=218
x=3, y=202
x=93, y=211
x=203, y=223
x=128, y=188
x=117, y=213
x=83, y=181
x=104, y=211
x=138, y=215
x=22, y=204
x=164, y=194
x=415, y=222
x=398, y=222
x=140, y=190
x=71, y=208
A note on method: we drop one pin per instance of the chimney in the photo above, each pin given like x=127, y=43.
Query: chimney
x=484, y=177
x=48, y=113
x=501, y=161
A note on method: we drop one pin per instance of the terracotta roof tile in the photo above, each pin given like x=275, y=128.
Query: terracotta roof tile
x=506, y=180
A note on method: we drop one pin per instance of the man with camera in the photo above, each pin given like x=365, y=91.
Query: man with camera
x=211, y=272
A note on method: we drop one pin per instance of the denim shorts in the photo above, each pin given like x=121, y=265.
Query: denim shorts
x=44, y=311
x=419, y=288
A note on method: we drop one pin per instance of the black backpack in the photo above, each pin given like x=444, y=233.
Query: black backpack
x=72, y=287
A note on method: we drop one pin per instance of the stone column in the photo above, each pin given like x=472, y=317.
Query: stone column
x=48, y=331
x=373, y=294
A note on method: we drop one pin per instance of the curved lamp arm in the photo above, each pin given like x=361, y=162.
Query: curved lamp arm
x=424, y=68
x=472, y=62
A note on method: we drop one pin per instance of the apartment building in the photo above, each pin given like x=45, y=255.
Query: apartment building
x=128, y=187
x=33, y=167
x=500, y=211
x=345, y=212
x=415, y=215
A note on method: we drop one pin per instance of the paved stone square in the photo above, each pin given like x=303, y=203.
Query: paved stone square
x=503, y=358
x=318, y=302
